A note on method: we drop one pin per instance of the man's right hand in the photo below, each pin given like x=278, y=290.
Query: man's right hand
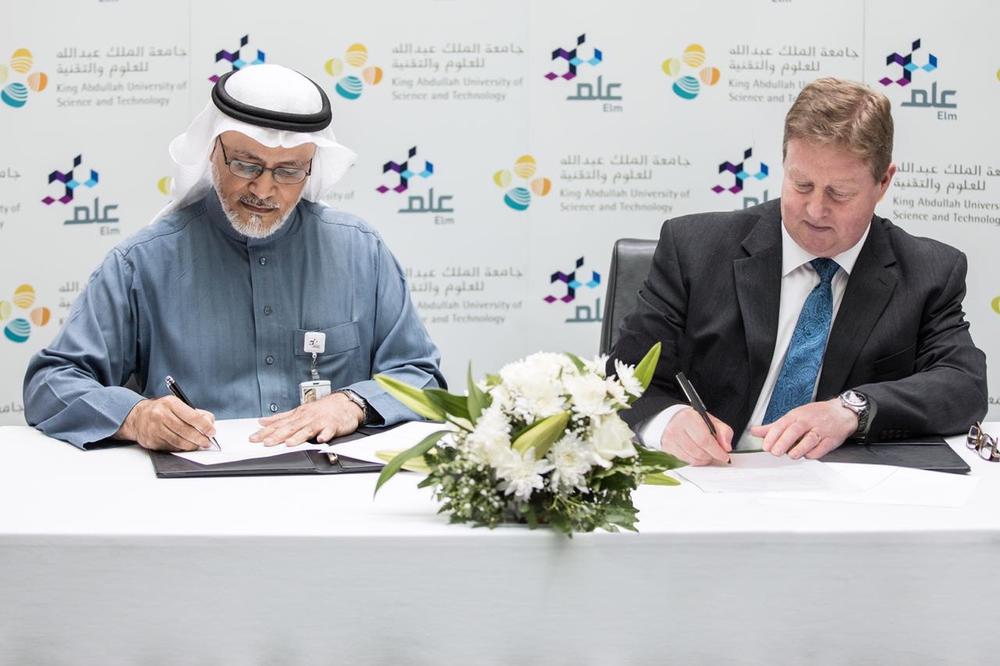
x=167, y=424
x=687, y=437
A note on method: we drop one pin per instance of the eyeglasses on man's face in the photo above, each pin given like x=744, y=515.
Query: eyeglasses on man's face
x=251, y=171
x=983, y=443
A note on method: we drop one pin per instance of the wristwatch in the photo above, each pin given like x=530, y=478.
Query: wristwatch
x=360, y=402
x=859, y=404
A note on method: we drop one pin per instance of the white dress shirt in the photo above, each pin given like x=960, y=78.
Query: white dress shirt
x=798, y=279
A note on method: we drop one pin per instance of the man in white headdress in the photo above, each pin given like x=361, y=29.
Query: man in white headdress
x=243, y=288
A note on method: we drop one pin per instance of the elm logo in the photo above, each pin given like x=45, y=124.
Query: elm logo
x=70, y=182
x=924, y=98
x=15, y=93
x=240, y=58
x=741, y=175
x=573, y=60
x=581, y=313
x=519, y=198
x=404, y=173
x=351, y=86
x=18, y=330
x=908, y=66
x=417, y=203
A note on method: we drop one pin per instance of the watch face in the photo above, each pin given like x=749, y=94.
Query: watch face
x=854, y=399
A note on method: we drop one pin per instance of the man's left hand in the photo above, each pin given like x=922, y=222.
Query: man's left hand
x=812, y=430
x=331, y=416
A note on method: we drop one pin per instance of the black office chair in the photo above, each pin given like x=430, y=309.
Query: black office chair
x=630, y=262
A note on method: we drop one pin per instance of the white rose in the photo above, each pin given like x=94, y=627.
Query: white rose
x=611, y=438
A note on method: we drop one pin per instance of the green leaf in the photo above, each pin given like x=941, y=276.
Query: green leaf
x=394, y=465
x=658, y=458
x=455, y=405
x=415, y=465
x=476, y=400
x=413, y=398
x=542, y=434
x=577, y=361
x=647, y=366
x=660, y=479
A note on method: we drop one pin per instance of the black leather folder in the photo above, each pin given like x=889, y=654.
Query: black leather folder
x=168, y=466
x=930, y=453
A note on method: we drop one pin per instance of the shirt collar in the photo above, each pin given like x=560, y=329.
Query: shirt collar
x=793, y=256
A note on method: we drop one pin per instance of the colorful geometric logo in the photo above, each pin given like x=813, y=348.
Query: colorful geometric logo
x=236, y=58
x=519, y=198
x=908, y=66
x=351, y=86
x=164, y=185
x=572, y=283
x=19, y=329
x=688, y=86
x=740, y=173
x=404, y=173
x=70, y=182
x=573, y=60
x=15, y=94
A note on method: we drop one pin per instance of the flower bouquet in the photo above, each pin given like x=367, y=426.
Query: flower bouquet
x=540, y=443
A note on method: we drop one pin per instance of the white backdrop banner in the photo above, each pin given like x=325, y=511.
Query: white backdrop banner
x=503, y=146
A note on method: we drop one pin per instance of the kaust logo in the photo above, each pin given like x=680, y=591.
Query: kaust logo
x=242, y=57
x=407, y=171
x=15, y=93
x=688, y=86
x=586, y=91
x=920, y=97
x=581, y=313
x=352, y=84
x=740, y=177
x=19, y=329
x=519, y=197
x=69, y=182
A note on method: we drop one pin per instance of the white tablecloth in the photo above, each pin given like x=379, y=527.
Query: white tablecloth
x=102, y=563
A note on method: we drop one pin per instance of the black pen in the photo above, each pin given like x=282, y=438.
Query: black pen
x=695, y=400
x=175, y=388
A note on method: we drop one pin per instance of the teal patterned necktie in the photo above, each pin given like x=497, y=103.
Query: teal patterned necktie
x=797, y=378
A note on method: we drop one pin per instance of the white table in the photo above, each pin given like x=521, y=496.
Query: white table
x=102, y=563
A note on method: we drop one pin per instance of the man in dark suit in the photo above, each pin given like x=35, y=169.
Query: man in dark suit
x=807, y=321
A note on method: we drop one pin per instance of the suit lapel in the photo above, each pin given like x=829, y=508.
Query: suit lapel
x=868, y=291
x=758, y=290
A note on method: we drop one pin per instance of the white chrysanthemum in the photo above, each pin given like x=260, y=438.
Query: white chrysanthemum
x=626, y=375
x=589, y=394
x=492, y=433
x=598, y=365
x=619, y=398
x=521, y=475
x=534, y=385
x=571, y=460
x=611, y=438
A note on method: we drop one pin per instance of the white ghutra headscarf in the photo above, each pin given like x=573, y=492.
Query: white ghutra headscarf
x=272, y=105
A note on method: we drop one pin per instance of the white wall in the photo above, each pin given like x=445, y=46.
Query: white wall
x=464, y=83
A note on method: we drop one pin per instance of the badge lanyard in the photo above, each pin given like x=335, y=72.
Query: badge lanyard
x=314, y=343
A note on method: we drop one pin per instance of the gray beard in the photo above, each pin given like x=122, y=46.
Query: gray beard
x=254, y=226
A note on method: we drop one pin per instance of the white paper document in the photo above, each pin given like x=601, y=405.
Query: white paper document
x=763, y=472
x=884, y=484
x=233, y=436
x=396, y=439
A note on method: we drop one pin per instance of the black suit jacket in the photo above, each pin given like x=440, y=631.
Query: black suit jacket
x=900, y=335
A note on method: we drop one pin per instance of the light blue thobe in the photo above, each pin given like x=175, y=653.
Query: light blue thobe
x=191, y=297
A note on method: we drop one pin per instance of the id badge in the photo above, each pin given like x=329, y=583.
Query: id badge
x=314, y=390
